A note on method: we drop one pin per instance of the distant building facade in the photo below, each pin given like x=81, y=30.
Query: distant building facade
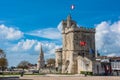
x=107, y=65
x=41, y=61
x=74, y=56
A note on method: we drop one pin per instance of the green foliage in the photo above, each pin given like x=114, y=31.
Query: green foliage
x=86, y=72
x=51, y=62
x=82, y=72
x=3, y=60
x=67, y=73
x=23, y=65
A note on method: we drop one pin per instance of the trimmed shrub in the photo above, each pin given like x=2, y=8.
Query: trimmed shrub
x=86, y=73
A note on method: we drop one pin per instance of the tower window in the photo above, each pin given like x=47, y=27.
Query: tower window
x=83, y=54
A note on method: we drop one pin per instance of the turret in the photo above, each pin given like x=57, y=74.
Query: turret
x=69, y=21
x=58, y=60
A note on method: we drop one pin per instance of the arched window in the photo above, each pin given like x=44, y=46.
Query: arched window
x=79, y=54
x=83, y=54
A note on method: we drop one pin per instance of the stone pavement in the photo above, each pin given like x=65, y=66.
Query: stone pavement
x=68, y=77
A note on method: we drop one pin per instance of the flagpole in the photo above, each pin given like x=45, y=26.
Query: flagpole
x=72, y=7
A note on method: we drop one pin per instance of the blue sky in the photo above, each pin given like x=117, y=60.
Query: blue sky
x=25, y=24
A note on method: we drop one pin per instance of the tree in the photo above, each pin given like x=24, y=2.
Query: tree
x=3, y=60
x=24, y=65
x=2, y=54
x=51, y=62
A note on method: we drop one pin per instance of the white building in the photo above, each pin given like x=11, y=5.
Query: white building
x=107, y=65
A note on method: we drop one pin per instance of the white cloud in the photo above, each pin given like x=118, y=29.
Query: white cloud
x=37, y=46
x=59, y=27
x=34, y=46
x=24, y=45
x=50, y=33
x=28, y=44
x=49, y=47
x=108, y=37
x=29, y=50
x=10, y=33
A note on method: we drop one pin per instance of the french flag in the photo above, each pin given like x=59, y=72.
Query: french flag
x=72, y=6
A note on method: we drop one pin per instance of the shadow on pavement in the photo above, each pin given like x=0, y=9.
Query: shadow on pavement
x=25, y=79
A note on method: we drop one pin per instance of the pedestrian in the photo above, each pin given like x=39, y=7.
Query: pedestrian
x=22, y=73
x=85, y=74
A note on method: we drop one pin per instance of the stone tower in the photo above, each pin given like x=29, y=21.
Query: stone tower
x=58, y=59
x=41, y=61
x=76, y=58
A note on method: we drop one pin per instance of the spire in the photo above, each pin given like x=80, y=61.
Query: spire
x=69, y=20
x=41, y=51
x=41, y=61
x=69, y=17
x=41, y=48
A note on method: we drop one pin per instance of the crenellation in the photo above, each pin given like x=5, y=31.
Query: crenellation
x=68, y=30
x=75, y=28
x=59, y=49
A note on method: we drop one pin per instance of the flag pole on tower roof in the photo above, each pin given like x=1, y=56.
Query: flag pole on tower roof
x=72, y=7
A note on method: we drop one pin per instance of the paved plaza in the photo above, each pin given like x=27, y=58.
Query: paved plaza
x=68, y=77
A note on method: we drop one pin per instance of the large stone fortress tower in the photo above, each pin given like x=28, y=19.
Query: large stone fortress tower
x=76, y=58
x=41, y=61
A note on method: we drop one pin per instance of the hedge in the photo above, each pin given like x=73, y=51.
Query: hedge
x=86, y=72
